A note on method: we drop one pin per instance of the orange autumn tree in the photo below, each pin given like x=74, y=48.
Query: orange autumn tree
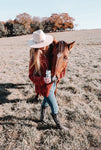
x=24, y=19
x=67, y=21
x=55, y=18
x=61, y=21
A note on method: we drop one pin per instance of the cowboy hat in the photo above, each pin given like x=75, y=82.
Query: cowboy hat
x=40, y=39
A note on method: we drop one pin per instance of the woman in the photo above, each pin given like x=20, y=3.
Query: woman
x=39, y=63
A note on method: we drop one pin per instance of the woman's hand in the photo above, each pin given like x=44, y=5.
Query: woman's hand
x=54, y=79
x=47, y=80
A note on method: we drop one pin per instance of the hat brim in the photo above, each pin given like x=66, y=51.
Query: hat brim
x=48, y=41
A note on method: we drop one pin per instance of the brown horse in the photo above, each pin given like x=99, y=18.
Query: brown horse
x=59, y=60
x=58, y=57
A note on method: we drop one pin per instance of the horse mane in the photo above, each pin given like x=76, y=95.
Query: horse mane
x=61, y=46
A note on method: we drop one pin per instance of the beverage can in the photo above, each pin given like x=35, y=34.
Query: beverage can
x=48, y=74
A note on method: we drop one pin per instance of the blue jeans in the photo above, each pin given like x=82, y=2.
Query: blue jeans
x=51, y=100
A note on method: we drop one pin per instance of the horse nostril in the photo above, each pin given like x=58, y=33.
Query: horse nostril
x=65, y=57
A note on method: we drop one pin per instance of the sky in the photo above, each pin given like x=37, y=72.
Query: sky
x=87, y=13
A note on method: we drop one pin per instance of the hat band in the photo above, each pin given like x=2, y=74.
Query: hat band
x=38, y=42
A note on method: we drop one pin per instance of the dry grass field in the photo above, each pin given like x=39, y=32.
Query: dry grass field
x=78, y=96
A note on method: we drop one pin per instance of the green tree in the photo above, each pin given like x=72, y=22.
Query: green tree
x=47, y=25
x=3, y=31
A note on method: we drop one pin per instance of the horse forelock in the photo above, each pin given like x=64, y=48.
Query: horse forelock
x=61, y=46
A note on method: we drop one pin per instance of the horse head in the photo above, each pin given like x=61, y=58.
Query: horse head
x=60, y=56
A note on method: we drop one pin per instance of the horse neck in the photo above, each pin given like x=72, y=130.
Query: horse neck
x=57, y=49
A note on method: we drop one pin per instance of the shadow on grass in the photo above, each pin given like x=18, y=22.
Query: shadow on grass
x=13, y=120
x=4, y=92
x=46, y=126
x=34, y=99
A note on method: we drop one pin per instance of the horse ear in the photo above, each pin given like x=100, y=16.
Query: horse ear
x=54, y=42
x=70, y=45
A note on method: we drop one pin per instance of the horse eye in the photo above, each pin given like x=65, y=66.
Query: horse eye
x=65, y=57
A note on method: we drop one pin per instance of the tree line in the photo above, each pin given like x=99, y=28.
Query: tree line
x=25, y=24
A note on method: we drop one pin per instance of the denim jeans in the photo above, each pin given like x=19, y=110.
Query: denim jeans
x=51, y=100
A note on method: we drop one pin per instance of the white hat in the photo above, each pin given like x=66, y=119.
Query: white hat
x=40, y=39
